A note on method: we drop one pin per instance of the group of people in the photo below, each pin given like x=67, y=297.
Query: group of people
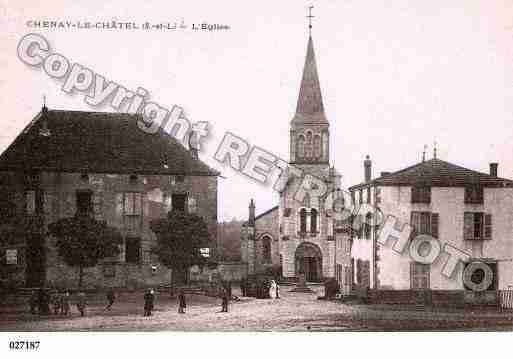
x=41, y=300
x=260, y=288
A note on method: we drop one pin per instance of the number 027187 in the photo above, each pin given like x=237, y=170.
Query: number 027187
x=24, y=345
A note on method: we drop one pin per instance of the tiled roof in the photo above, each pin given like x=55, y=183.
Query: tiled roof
x=438, y=173
x=100, y=142
x=262, y=214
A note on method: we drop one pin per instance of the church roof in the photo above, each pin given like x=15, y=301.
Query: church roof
x=309, y=103
x=437, y=173
x=101, y=142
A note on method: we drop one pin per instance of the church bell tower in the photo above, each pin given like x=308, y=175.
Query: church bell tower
x=309, y=129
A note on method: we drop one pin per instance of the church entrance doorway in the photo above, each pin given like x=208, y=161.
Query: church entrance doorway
x=309, y=262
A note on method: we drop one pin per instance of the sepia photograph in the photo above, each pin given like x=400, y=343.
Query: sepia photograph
x=207, y=170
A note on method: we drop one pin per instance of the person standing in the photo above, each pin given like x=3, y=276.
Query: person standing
x=81, y=303
x=224, y=300
x=33, y=301
x=277, y=291
x=149, y=298
x=56, y=302
x=181, y=302
x=243, y=287
x=43, y=300
x=272, y=289
x=65, y=309
x=111, y=297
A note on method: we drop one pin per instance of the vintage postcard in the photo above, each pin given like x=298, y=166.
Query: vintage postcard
x=217, y=166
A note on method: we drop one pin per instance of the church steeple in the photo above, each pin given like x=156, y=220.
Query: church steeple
x=309, y=103
x=309, y=130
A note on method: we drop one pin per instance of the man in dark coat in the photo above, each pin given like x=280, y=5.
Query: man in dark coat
x=111, y=297
x=81, y=303
x=149, y=298
x=33, y=300
x=65, y=305
x=243, y=287
x=224, y=300
x=43, y=302
x=181, y=302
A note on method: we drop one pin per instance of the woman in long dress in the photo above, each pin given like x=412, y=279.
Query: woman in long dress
x=272, y=290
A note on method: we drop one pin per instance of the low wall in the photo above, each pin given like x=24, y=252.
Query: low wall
x=453, y=298
x=227, y=271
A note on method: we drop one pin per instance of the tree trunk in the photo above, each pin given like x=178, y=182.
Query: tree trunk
x=80, y=276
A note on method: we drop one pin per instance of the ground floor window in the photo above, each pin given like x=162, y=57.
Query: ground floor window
x=419, y=275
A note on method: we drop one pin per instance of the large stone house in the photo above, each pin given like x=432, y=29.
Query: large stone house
x=66, y=162
x=470, y=211
x=299, y=237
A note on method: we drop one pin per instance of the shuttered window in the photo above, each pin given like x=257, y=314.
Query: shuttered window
x=474, y=195
x=419, y=275
x=477, y=226
x=421, y=194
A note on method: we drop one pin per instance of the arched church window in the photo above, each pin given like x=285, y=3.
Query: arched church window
x=309, y=147
x=266, y=249
x=317, y=146
x=301, y=146
x=313, y=220
x=302, y=220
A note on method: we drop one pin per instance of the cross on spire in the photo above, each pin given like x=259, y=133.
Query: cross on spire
x=310, y=17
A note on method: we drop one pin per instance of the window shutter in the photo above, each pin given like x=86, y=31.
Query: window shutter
x=488, y=226
x=191, y=204
x=30, y=202
x=97, y=205
x=119, y=206
x=137, y=203
x=415, y=221
x=47, y=203
x=168, y=203
x=435, y=220
x=145, y=205
x=468, y=225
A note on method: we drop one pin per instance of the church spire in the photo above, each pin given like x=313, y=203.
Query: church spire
x=309, y=104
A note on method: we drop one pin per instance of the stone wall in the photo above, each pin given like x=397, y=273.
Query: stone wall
x=60, y=201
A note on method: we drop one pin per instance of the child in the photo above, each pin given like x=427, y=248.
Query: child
x=65, y=303
x=181, y=302
x=81, y=303
x=111, y=297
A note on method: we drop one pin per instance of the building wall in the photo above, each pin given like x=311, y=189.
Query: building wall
x=60, y=197
x=394, y=268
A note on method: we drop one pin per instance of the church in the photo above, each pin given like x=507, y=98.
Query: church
x=300, y=238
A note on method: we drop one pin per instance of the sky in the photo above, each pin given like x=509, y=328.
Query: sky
x=395, y=76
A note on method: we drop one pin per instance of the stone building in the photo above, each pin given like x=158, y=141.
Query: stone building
x=65, y=162
x=299, y=237
x=469, y=213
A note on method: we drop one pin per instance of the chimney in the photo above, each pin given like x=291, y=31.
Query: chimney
x=251, y=220
x=383, y=174
x=494, y=169
x=193, y=149
x=367, y=164
x=43, y=130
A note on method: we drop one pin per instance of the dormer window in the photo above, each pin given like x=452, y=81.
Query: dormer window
x=474, y=195
x=421, y=194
